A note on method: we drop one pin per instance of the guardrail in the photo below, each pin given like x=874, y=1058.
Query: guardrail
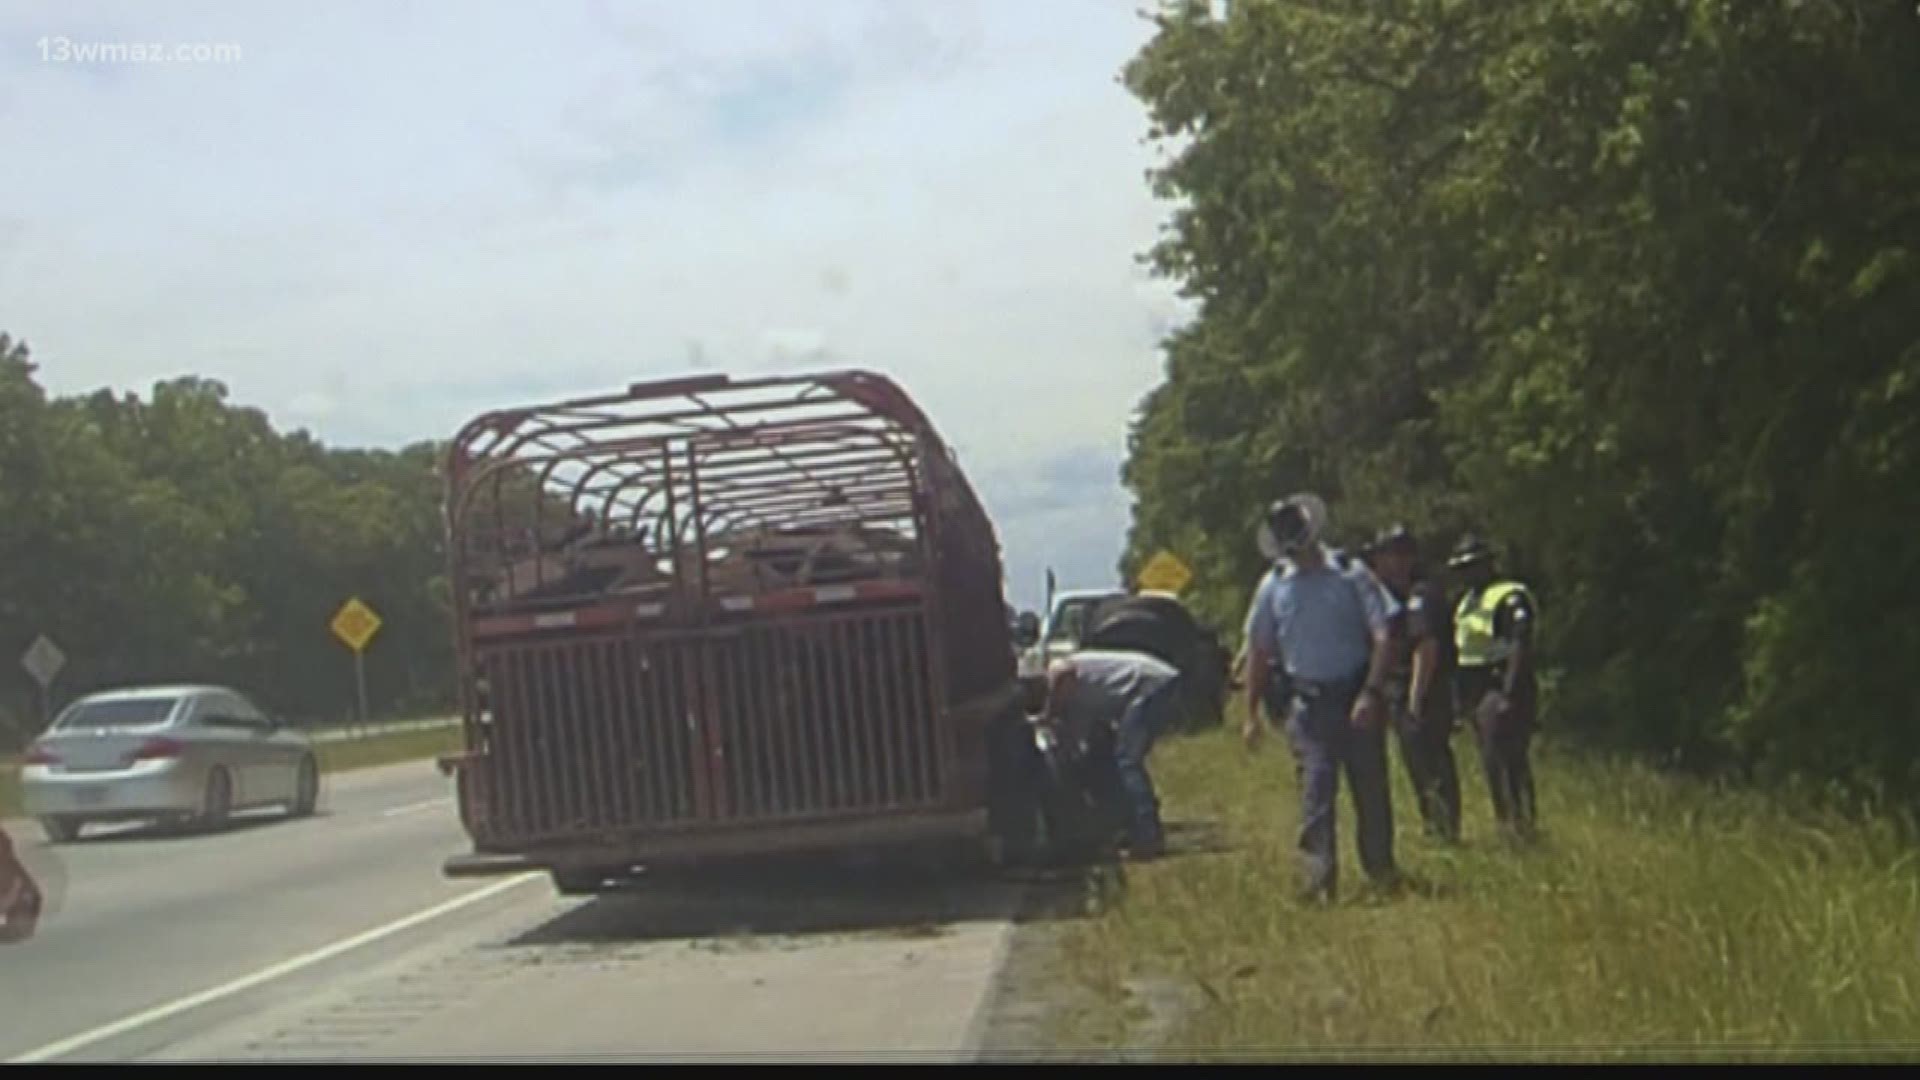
x=340, y=733
x=330, y=733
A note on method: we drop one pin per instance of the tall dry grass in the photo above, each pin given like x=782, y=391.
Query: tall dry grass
x=1656, y=918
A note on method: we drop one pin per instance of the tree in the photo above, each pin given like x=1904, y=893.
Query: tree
x=181, y=537
x=1628, y=285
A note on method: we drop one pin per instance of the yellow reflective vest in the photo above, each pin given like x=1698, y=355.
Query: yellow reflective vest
x=1473, y=635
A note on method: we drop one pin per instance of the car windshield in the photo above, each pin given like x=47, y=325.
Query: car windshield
x=125, y=712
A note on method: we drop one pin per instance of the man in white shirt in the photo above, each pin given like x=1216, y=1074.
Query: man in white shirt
x=1137, y=697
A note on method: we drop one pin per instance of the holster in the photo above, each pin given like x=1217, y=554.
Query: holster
x=1279, y=692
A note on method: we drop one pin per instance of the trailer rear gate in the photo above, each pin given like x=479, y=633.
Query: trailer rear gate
x=807, y=717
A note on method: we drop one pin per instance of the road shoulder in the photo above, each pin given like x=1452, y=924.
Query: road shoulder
x=658, y=975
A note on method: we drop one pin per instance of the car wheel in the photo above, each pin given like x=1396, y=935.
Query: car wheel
x=61, y=830
x=217, y=803
x=307, y=789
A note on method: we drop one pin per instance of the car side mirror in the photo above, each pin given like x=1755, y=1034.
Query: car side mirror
x=1027, y=630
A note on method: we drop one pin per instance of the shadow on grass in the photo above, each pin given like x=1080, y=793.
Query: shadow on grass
x=1186, y=838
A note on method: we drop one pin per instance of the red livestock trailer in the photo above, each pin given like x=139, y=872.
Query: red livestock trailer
x=715, y=618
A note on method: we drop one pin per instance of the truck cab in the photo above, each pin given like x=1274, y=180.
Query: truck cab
x=1068, y=620
x=1150, y=621
x=1065, y=626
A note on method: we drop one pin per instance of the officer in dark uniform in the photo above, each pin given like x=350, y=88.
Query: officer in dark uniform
x=1420, y=680
x=1494, y=641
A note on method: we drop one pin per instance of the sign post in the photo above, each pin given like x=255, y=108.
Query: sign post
x=1164, y=573
x=43, y=660
x=355, y=624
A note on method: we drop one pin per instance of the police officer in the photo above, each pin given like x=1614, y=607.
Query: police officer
x=1318, y=626
x=1420, y=680
x=1494, y=627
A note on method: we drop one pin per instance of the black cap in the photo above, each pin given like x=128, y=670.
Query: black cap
x=1395, y=538
x=1471, y=549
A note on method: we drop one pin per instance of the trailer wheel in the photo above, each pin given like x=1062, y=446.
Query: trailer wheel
x=1085, y=806
x=574, y=881
x=1079, y=833
x=1016, y=780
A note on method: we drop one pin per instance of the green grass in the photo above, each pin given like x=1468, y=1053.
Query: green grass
x=387, y=749
x=1658, y=918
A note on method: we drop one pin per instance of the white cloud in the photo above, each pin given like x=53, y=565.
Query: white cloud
x=795, y=348
x=310, y=407
x=388, y=217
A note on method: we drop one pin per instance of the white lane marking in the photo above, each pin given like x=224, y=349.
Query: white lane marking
x=411, y=807
x=286, y=967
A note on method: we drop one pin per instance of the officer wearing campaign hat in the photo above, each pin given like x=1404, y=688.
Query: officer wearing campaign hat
x=1494, y=626
x=1319, y=622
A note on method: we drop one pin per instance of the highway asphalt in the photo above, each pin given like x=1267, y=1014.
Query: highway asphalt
x=337, y=938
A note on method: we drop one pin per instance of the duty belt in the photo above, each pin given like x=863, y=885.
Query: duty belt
x=1308, y=689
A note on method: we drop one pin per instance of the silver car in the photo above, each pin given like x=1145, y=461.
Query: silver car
x=175, y=754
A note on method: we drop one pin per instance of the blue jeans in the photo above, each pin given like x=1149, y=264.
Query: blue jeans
x=1324, y=742
x=1144, y=722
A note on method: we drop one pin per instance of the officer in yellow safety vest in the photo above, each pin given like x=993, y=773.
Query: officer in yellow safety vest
x=1494, y=625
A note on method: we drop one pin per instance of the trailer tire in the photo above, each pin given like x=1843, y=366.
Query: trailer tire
x=1084, y=803
x=1078, y=833
x=1016, y=782
x=575, y=881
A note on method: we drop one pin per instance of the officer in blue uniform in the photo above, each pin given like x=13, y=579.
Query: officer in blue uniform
x=1317, y=637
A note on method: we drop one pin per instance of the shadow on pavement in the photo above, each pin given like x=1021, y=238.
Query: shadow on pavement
x=157, y=832
x=820, y=898
x=799, y=897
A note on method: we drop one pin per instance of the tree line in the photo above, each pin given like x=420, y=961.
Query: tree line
x=1628, y=286
x=180, y=538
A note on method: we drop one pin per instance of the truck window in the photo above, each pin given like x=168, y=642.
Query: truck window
x=1072, y=624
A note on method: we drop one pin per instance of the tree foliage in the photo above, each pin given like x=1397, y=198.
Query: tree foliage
x=181, y=538
x=1629, y=285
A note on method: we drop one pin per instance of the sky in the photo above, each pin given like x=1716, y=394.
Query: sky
x=374, y=220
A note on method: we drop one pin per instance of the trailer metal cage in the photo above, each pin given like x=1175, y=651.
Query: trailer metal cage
x=715, y=615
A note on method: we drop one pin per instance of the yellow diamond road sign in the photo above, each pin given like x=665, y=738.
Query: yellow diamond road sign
x=1164, y=573
x=355, y=624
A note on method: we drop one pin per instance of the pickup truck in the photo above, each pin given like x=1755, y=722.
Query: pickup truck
x=1060, y=632
x=1146, y=621
x=719, y=619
